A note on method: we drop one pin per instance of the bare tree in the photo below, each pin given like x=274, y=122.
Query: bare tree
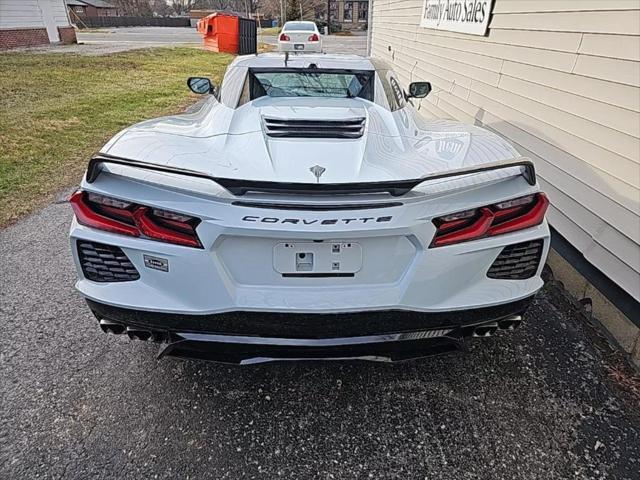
x=311, y=9
x=181, y=7
x=269, y=8
x=134, y=8
x=161, y=8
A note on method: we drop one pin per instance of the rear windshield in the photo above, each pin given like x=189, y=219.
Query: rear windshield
x=304, y=26
x=310, y=83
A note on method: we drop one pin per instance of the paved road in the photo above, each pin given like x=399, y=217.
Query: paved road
x=117, y=39
x=141, y=36
x=78, y=404
x=111, y=40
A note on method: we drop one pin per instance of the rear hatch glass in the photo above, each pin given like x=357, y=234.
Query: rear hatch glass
x=312, y=83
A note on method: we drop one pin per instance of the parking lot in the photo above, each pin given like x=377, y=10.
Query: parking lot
x=76, y=403
x=118, y=39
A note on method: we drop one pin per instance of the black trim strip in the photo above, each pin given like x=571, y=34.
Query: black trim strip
x=337, y=71
x=306, y=325
x=629, y=306
x=318, y=275
x=239, y=187
x=316, y=207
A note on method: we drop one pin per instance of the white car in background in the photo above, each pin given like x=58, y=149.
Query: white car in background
x=300, y=37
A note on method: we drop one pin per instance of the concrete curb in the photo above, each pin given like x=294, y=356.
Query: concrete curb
x=624, y=333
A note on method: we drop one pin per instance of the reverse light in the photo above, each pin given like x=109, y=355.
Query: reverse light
x=111, y=202
x=284, y=37
x=516, y=202
x=497, y=219
x=314, y=38
x=126, y=218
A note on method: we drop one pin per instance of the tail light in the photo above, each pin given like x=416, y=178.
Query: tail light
x=314, y=38
x=504, y=217
x=126, y=218
x=284, y=37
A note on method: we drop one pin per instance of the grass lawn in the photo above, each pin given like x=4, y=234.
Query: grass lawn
x=56, y=110
x=269, y=31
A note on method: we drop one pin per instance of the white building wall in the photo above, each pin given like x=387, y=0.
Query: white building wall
x=28, y=13
x=561, y=80
x=59, y=10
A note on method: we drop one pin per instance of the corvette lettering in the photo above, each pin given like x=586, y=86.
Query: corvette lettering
x=313, y=221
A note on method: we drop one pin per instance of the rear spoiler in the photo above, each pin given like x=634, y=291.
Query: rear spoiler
x=239, y=187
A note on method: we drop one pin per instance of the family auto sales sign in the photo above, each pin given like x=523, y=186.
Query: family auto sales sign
x=465, y=16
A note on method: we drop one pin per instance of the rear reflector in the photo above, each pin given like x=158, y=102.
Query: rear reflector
x=496, y=219
x=126, y=218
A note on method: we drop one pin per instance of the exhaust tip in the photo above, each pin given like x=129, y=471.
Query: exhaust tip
x=510, y=323
x=485, y=330
x=136, y=334
x=108, y=326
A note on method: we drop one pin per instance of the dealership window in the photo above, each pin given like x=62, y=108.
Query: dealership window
x=348, y=11
x=363, y=11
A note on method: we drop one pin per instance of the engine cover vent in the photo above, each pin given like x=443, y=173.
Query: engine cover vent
x=517, y=262
x=105, y=263
x=351, y=128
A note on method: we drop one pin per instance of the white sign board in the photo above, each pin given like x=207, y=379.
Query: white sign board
x=465, y=16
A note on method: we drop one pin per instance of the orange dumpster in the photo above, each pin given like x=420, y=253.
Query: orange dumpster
x=220, y=32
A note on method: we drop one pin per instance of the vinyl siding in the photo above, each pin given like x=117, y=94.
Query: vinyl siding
x=561, y=80
x=28, y=14
x=59, y=10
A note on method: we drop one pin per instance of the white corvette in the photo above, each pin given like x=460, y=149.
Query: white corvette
x=308, y=211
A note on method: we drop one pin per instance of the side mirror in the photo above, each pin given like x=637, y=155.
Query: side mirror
x=201, y=85
x=419, y=89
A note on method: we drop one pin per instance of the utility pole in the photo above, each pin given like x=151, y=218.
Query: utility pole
x=301, y=10
x=369, y=27
x=329, y=17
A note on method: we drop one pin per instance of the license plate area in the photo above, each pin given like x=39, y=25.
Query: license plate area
x=336, y=257
x=298, y=46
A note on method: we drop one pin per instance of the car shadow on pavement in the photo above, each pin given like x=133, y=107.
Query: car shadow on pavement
x=525, y=404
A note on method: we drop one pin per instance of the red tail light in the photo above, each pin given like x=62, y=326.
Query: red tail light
x=126, y=218
x=159, y=228
x=314, y=38
x=284, y=37
x=503, y=217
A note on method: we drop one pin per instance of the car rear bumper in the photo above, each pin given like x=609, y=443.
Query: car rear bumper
x=315, y=47
x=237, y=273
x=248, y=259
x=254, y=337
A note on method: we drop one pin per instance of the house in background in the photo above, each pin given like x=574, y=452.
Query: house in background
x=350, y=15
x=26, y=23
x=90, y=8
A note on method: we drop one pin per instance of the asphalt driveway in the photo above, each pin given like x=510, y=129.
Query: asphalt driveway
x=75, y=403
